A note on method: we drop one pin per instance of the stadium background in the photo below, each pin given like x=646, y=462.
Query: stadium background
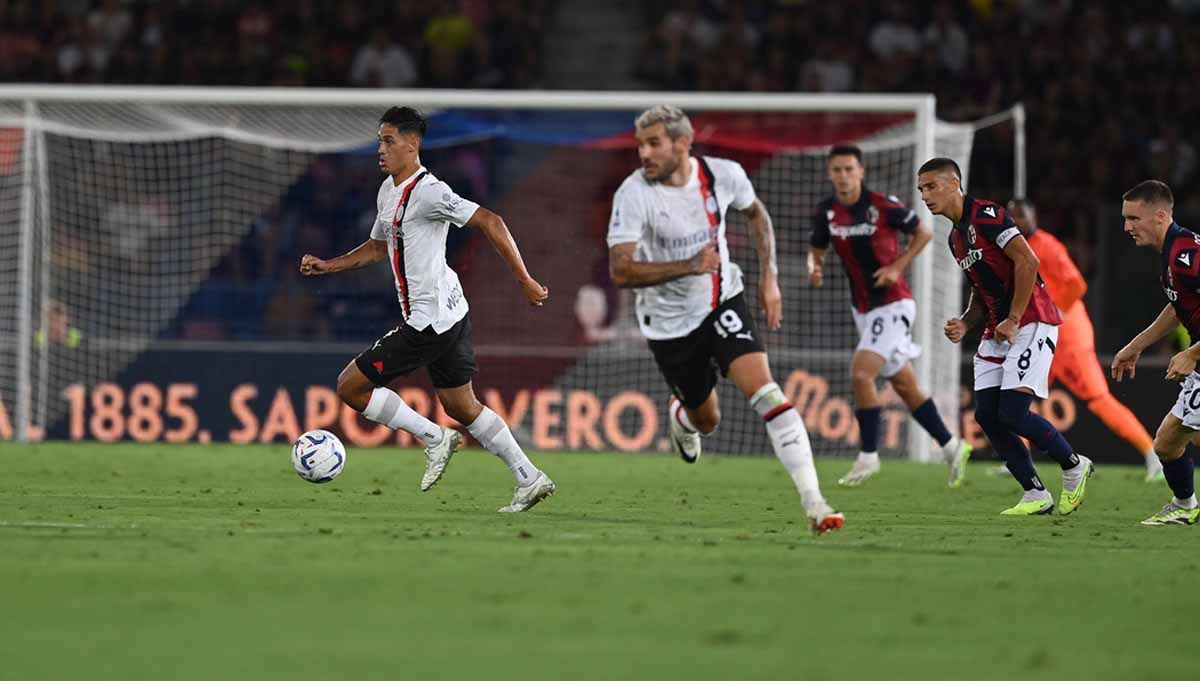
x=1090, y=137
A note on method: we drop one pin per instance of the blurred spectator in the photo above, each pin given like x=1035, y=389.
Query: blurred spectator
x=453, y=47
x=945, y=36
x=895, y=35
x=383, y=63
x=59, y=331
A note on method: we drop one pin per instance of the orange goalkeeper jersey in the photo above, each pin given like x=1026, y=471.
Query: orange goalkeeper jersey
x=1064, y=282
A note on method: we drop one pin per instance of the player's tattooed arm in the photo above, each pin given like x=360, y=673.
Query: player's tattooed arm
x=1126, y=359
x=763, y=233
x=496, y=231
x=369, y=252
x=629, y=273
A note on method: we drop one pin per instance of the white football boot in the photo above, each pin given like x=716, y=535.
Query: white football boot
x=859, y=472
x=438, y=456
x=685, y=444
x=525, y=498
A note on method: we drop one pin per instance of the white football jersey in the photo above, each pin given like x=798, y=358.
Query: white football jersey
x=674, y=223
x=414, y=218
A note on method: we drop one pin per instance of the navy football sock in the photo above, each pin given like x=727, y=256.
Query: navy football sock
x=927, y=415
x=1010, y=448
x=1180, y=475
x=868, y=428
x=1013, y=413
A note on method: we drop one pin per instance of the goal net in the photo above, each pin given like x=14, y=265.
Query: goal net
x=171, y=221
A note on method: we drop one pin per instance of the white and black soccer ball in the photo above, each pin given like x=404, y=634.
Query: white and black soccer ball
x=318, y=456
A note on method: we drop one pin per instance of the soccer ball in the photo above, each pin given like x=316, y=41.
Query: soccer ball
x=318, y=456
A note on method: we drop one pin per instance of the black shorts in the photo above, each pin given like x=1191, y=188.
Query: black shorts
x=449, y=356
x=690, y=363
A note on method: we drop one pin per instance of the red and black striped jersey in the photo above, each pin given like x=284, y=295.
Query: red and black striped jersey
x=1180, y=277
x=978, y=242
x=866, y=237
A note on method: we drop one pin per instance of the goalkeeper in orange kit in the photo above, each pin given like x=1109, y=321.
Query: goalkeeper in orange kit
x=1075, y=363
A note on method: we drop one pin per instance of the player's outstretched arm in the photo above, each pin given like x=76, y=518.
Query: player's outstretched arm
x=1126, y=359
x=889, y=274
x=496, y=231
x=369, y=252
x=763, y=233
x=629, y=273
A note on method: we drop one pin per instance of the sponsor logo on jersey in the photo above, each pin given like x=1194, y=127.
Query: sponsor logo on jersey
x=684, y=242
x=973, y=256
x=1172, y=294
x=847, y=231
x=1185, y=258
x=989, y=211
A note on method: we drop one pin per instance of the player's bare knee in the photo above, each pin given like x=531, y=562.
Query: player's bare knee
x=353, y=388
x=862, y=378
x=1170, y=443
x=1167, y=451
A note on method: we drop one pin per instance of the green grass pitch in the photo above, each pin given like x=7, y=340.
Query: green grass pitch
x=217, y=562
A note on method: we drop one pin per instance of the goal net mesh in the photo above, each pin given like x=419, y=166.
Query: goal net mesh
x=131, y=225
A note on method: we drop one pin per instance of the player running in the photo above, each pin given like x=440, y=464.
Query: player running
x=1075, y=362
x=666, y=239
x=864, y=228
x=1148, y=211
x=1020, y=334
x=415, y=212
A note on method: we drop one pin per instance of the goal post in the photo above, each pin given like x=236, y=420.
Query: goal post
x=167, y=183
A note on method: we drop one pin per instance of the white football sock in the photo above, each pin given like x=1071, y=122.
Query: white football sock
x=493, y=433
x=1190, y=502
x=387, y=408
x=789, y=439
x=868, y=457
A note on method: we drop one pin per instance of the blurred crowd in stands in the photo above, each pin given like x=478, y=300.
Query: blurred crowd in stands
x=1108, y=86
x=472, y=43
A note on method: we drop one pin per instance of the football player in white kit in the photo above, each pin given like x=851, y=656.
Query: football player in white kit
x=415, y=212
x=666, y=239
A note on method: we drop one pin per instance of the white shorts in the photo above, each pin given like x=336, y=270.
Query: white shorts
x=887, y=332
x=1187, y=407
x=1023, y=363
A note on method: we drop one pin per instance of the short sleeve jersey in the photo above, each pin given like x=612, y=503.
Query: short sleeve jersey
x=674, y=223
x=866, y=236
x=414, y=218
x=978, y=242
x=1180, y=277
